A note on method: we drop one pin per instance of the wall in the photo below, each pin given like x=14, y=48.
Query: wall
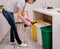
x=2, y=2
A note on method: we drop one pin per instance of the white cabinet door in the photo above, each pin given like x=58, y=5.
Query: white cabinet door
x=56, y=32
x=4, y=27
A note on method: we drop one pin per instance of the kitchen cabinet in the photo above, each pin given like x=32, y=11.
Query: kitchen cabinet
x=4, y=27
x=53, y=17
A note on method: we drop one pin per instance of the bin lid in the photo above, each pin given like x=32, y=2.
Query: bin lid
x=46, y=28
x=42, y=24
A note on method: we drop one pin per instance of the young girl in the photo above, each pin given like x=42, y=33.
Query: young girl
x=11, y=7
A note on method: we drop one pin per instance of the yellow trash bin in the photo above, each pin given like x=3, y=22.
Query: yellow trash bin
x=34, y=33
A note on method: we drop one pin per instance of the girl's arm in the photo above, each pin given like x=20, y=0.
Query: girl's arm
x=20, y=14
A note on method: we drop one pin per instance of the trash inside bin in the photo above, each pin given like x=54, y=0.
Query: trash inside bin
x=47, y=37
x=38, y=21
x=34, y=34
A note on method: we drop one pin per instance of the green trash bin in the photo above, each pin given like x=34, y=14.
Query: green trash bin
x=47, y=37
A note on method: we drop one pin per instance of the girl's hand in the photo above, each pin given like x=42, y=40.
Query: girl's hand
x=28, y=23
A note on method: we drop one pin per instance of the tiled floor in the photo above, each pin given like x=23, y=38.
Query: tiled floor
x=26, y=36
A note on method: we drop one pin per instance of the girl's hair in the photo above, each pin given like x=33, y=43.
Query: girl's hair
x=27, y=0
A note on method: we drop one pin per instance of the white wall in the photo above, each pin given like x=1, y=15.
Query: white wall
x=2, y=2
x=54, y=3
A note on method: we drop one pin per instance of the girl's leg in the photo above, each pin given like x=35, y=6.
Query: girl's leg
x=9, y=16
x=11, y=36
